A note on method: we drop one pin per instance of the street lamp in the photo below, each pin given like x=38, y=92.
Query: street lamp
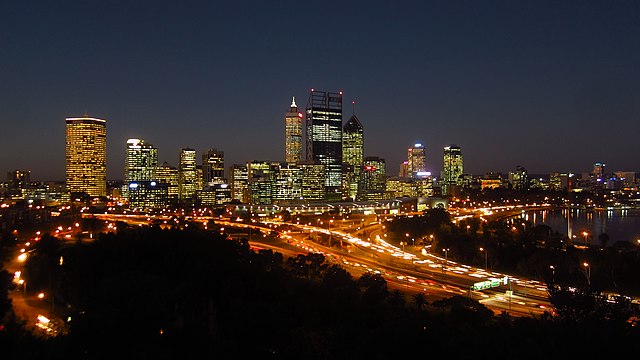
x=485, y=257
x=329, y=223
x=553, y=273
x=446, y=255
x=585, y=234
x=24, y=285
x=587, y=272
x=402, y=244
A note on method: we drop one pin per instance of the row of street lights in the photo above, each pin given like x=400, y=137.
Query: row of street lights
x=586, y=271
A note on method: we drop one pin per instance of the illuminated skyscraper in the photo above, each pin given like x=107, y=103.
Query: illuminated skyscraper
x=86, y=155
x=324, y=138
x=404, y=170
x=293, y=134
x=261, y=175
x=187, y=174
x=598, y=170
x=287, y=183
x=312, y=181
x=452, y=168
x=213, y=167
x=519, y=179
x=374, y=180
x=352, y=154
x=168, y=174
x=416, y=161
x=141, y=161
x=18, y=179
x=239, y=181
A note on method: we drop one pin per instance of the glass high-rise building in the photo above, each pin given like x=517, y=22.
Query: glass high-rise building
x=86, y=155
x=416, y=158
x=312, y=181
x=352, y=154
x=293, y=134
x=373, y=179
x=324, y=138
x=187, y=174
x=141, y=161
x=168, y=174
x=452, y=168
x=213, y=167
x=239, y=181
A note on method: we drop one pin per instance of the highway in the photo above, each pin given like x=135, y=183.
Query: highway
x=407, y=269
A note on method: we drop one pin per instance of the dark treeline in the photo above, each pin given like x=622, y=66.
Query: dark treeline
x=149, y=293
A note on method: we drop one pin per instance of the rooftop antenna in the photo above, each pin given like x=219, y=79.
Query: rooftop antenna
x=353, y=106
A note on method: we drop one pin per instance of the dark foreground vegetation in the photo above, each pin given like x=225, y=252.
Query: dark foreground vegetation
x=148, y=293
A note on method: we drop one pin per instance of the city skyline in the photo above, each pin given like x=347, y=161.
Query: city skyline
x=551, y=87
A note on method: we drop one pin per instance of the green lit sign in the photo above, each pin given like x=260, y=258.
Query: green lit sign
x=490, y=283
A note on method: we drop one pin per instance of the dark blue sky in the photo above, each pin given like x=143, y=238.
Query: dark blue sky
x=549, y=85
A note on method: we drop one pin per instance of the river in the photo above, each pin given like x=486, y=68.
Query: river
x=587, y=225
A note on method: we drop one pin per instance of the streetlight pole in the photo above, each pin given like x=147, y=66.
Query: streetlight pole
x=553, y=273
x=587, y=273
x=446, y=255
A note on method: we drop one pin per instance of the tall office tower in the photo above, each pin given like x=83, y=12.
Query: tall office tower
x=213, y=167
x=373, y=179
x=168, y=174
x=416, y=161
x=324, y=138
x=293, y=134
x=352, y=155
x=86, y=155
x=239, y=181
x=141, y=161
x=452, y=169
x=261, y=175
x=628, y=179
x=560, y=181
x=287, y=183
x=519, y=179
x=313, y=181
x=18, y=179
x=187, y=174
x=404, y=170
x=598, y=170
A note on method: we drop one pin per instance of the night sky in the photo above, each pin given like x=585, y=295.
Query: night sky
x=549, y=85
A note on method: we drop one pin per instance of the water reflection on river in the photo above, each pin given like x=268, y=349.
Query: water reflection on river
x=587, y=225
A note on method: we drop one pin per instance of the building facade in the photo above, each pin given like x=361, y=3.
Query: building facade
x=141, y=161
x=324, y=138
x=187, y=174
x=293, y=134
x=213, y=167
x=452, y=169
x=352, y=155
x=373, y=182
x=416, y=161
x=86, y=156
